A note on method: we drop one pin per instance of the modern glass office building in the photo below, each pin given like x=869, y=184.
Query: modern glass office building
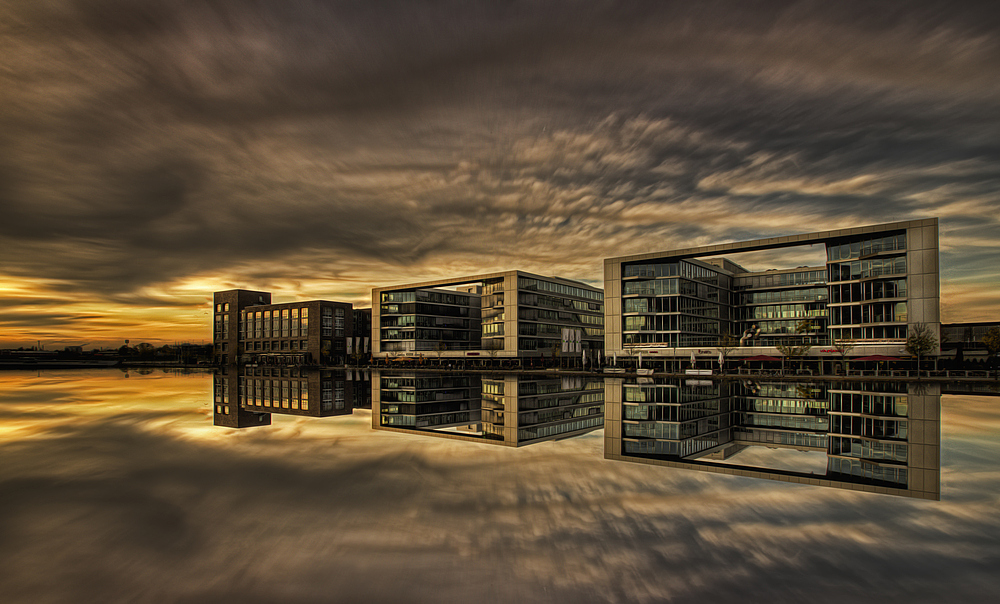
x=512, y=314
x=877, y=282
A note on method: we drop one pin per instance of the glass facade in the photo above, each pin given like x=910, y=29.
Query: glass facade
x=430, y=320
x=866, y=274
x=677, y=303
x=514, y=314
x=511, y=410
x=860, y=294
x=862, y=429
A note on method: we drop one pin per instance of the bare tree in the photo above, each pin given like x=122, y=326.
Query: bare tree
x=493, y=346
x=992, y=342
x=800, y=347
x=727, y=344
x=631, y=350
x=439, y=347
x=920, y=341
x=844, y=346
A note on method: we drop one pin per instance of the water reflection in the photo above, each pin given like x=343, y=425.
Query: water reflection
x=247, y=397
x=876, y=437
x=865, y=436
x=504, y=409
x=115, y=489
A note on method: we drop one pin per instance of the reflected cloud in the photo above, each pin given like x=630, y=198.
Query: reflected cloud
x=130, y=487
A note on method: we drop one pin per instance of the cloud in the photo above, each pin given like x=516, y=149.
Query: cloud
x=148, y=146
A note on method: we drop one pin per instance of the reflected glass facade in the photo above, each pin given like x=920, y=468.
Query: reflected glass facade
x=510, y=410
x=873, y=436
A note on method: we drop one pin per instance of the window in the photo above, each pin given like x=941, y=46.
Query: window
x=326, y=322
x=338, y=325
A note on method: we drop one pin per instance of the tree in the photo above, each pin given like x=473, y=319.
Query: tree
x=799, y=347
x=844, y=346
x=727, y=344
x=438, y=349
x=920, y=341
x=631, y=350
x=992, y=342
x=493, y=346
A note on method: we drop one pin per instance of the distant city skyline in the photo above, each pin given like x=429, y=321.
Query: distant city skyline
x=156, y=153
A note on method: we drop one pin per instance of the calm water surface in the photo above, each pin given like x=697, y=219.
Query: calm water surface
x=116, y=486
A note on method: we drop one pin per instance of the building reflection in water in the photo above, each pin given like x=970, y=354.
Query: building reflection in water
x=877, y=437
x=866, y=436
x=509, y=409
x=247, y=397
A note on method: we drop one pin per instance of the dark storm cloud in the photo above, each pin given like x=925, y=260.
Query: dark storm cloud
x=145, y=142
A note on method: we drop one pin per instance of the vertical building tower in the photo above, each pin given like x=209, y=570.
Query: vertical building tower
x=228, y=410
x=228, y=307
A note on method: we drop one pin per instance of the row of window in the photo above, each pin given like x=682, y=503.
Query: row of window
x=424, y=308
x=672, y=448
x=529, y=284
x=864, y=269
x=879, y=312
x=871, y=427
x=535, y=432
x=812, y=294
x=864, y=292
x=531, y=299
x=674, y=286
x=285, y=394
x=424, y=321
x=866, y=247
x=555, y=414
x=866, y=449
x=267, y=346
x=757, y=281
x=796, y=439
x=817, y=422
x=659, y=270
x=869, y=404
x=446, y=381
x=287, y=322
x=784, y=311
x=895, y=475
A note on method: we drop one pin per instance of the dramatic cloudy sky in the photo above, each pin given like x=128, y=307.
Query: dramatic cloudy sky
x=153, y=151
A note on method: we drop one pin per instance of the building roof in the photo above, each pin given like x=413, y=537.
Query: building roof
x=473, y=278
x=775, y=242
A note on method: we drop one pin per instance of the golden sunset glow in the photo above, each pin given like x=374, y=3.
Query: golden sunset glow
x=155, y=153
